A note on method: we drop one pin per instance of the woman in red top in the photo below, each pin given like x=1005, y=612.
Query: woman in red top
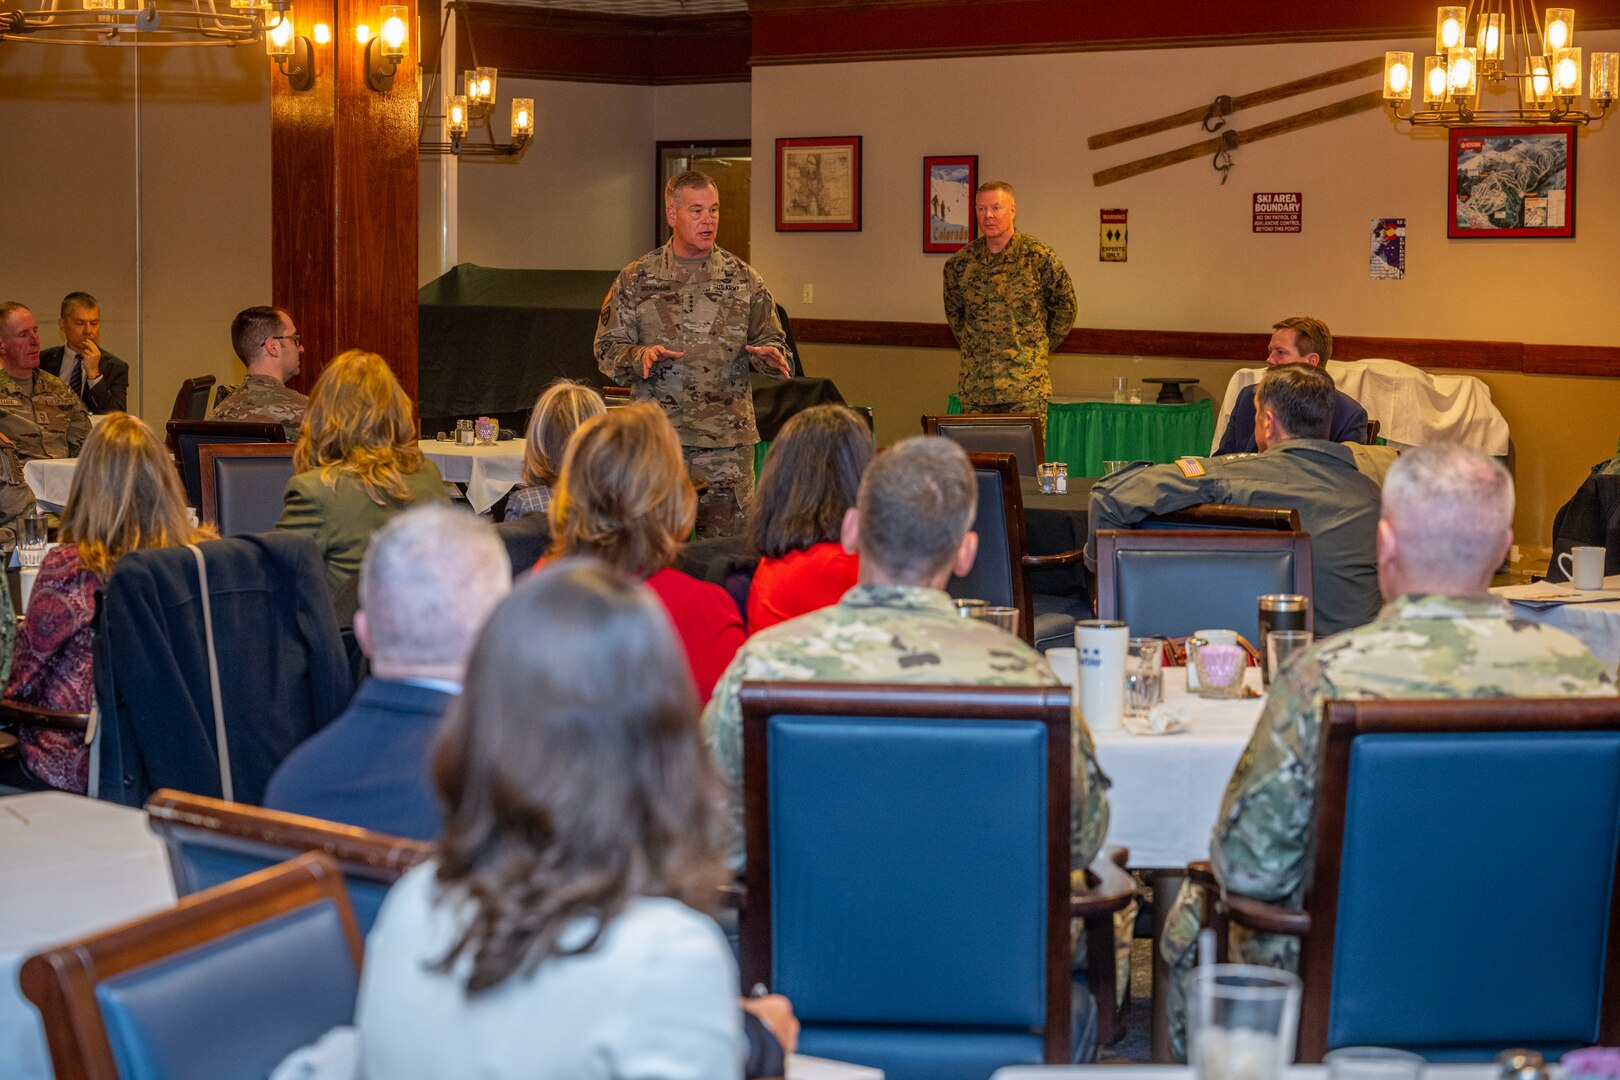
x=624, y=497
x=808, y=485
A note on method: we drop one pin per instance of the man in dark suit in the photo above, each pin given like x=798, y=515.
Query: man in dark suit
x=99, y=378
x=1296, y=340
x=427, y=585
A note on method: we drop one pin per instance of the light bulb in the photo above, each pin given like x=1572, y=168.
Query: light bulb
x=362, y=33
x=1462, y=73
x=1451, y=33
x=281, y=34
x=1557, y=34
x=1568, y=73
x=1399, y=77
x=323, y=34
x=393, y=32
x=1437, y=81
x=1492, y=39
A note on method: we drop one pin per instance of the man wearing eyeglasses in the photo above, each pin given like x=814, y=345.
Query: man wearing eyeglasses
x=38, y=413
x=269, y=344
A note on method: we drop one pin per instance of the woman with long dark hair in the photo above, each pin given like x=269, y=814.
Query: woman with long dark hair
x=559, y=932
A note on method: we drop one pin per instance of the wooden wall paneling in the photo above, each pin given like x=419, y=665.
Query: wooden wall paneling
x=535, y=43
x=375, y=184
x=302, y=206
x=1436, y=353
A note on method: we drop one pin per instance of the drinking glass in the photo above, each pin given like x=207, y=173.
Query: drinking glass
x=1282, y=645
x=1241, y=1021
x=1004, y=617
x=1119, y=389
x=1113, y=465
x=1372, y=1063
x=970, y=609
x=1144, y=674
x=31, y=551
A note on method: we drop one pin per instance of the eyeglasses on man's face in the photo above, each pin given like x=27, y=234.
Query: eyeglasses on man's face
x=296, y=339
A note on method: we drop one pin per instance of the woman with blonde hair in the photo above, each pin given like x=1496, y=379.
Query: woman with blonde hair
x=562, y=407
x=125, y=495
x=357, y=462
x=624, y=497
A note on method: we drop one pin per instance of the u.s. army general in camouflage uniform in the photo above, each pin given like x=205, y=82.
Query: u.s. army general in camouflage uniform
x=681, y=327
x=1445, y=525
x=38, y=413
x=1010, y=302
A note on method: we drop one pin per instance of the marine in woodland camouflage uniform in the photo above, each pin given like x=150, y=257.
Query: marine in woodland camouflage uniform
x=710, y=310
x=1008, y=310
x=265, y=399
x=1440, y=645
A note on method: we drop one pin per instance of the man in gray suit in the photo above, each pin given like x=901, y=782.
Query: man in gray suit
x=99, y=378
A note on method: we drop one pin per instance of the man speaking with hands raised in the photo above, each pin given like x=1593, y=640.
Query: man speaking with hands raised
x=681, y=327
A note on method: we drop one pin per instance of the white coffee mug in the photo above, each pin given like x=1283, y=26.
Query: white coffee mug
x=1101, y=645
x=1584, y=568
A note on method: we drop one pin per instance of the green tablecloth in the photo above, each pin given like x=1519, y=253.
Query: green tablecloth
x=1086, y=433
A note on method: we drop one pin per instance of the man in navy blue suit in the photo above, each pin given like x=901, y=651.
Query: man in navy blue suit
x=427, y=586
x=99, y=378
x=1296, y=340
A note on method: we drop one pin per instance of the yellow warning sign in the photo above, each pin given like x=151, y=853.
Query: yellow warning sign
x=1113, y=237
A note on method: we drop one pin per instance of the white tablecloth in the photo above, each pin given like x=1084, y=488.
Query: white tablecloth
x=50, y=479
x=1596, y=624
x=488, y=472
x=1167, y=788
x=70, y=866
x=1412, y=406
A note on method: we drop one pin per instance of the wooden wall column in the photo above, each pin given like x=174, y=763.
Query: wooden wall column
x=343, y=198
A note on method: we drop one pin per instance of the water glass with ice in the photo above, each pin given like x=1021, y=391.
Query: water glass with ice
x=1241, y=1021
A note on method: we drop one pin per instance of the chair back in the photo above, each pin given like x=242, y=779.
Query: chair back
x=1373, y=427
x=1496, y=921
x=185, y=436
x=1018, y=434
x=920, y=927
x=191, y=403
x=1171, y=583
x=220, y=987
x=211, y=841
x=997, y=574
x=242, y=485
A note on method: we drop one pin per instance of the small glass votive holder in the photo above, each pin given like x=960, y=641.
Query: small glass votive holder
x=1134, y=396
x=1005, y=618
x=1220, y=668
x=970, y=609
x=1113, y=465
x=1372, y=1063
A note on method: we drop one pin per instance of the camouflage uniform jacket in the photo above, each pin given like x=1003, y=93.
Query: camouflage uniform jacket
x=1337, y=505
x=897, y=634
x=1418, y=647
x=265, y=399
x=709, y=313
x=46, y=420
x=1008, y=311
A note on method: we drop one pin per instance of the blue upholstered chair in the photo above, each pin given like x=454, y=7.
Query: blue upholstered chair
x=242, y=485
x=1169, y=583
x=1018, y=434
x=997, y=575
x=908, y=880
x=211, y=841
x=185, y=436
x=1463, y=897
x=221, y=987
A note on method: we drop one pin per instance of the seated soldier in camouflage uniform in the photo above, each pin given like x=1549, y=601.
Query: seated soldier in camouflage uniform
x=1446, y=525
x=39, y=415
x=1010, y=302
x=19, y=337
x=681, y=327
x=911, y=526
x=269, y=344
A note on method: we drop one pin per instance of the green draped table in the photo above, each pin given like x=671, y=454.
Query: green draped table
x=1084, y=434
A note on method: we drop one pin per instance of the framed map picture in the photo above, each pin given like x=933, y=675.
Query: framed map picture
x=1512, y=181
x=818, y=184
x=949, y=223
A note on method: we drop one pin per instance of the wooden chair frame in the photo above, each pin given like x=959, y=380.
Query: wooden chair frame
x=201, y=384
x=208, y=512
x=1012, y=510
x=61, y=982
x=177, y=817
x=1108, y=888
x=1315, y=925
x=1193, y=541
x=1373, y=427
x=932, y=424
x=1231, y=518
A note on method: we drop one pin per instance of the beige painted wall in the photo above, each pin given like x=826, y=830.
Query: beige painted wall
x=1195, y=263
x=142, y=177
x=582, y=196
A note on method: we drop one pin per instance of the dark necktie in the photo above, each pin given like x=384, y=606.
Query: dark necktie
x=76, y=379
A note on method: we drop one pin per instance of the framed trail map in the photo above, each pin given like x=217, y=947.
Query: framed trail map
x=818, y=184
x=1512, y=182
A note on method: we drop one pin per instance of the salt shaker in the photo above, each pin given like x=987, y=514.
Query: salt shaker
x=1062, y=470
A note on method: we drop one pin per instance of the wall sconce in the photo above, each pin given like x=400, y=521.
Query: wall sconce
x=293, y=53
x=1605, y=76
x=1566, y=74
x=385, y=51
x=1436, y=81
x=480, y=91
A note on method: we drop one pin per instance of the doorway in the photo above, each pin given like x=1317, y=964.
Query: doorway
x=731, y=163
